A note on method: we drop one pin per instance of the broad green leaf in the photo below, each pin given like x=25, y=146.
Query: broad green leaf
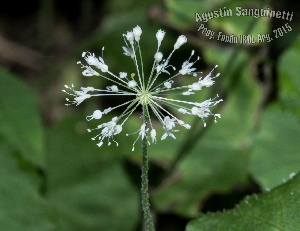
x=288, y=78
x=276, y=148
x=88, y=188
x=21, y=206
x=221, y=157
x=278, y=209
x=20, y=121
x=72, y=155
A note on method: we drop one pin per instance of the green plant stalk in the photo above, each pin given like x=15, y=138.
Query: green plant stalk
x=145, y=181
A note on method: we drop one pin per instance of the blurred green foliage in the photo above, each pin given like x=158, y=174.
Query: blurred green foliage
x=54, y=177
x=277, y=210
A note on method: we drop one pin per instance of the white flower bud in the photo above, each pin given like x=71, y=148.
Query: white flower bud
x=168, y=84
x=132, y=84
x=169, y=123
x=114, y=119
x=143, y=131
x=114, y=88
x=160, y=36
x=180, y=41
x=130, y=37
x=81, y=98
x=158, y=57
x=103, y=67
x=153, y=135
x=158, y=68
x=97, y=114
x=100, y=144
x=123, y=75
x=117, y=129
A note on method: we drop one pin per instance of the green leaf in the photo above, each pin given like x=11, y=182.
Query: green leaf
x=21, y=207
x=20, y=119
x=88, y=188
x=288, y=78
x=276, y=148
x=275, y=210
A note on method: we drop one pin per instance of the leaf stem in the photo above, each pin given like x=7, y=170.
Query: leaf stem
x=145, y=181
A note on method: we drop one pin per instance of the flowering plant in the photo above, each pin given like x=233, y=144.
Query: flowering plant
x=146, y=93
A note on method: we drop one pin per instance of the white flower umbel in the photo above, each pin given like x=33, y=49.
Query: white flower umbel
x=147, y=93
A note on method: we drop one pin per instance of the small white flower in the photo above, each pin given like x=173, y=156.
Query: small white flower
x=168, y=84
x=137, y=31
x=132, y=84
x=153, y=135
x=142, y=133
x=208, y=80
x=169, y=123
x=108, y=131
x=162, y=67
x=113, y=88
x=201, y=112
x=180, y=41
x=130, y=37
x=92, y=60
x=88, y=71
x=79, y=96
x=144, y=91
x=123, y=75
x=128, y=52
x=186, y=68
x=195, y=86
x=160, y=36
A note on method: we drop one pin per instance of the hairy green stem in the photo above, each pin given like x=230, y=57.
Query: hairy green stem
x=145, y=181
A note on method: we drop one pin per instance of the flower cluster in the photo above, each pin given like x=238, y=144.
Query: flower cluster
x=145, y=91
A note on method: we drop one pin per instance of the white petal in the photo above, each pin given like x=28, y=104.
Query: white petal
x=164, y=136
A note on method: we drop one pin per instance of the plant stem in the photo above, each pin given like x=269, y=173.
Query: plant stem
x=145, y=168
